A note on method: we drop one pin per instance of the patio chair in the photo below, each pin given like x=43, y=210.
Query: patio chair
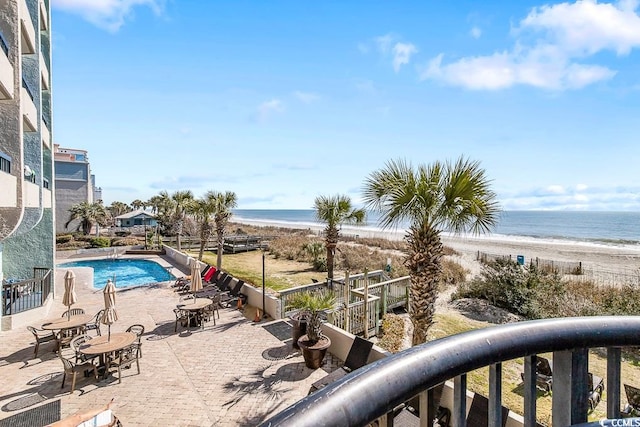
x=478, y=415
x=72, y=368
x=73, y=312
x=632, y=408
x=182, y=317
x=213, y=308
x=356, y=358
x=94, y=324
x=232, y=296
x=138, y=330
x=42, y=337
x=75, y=344
x=125, y=358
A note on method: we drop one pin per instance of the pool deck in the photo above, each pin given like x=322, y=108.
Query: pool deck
x=235, y=373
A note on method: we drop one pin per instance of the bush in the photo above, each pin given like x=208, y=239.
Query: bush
x=392, y=333
x=100, y=242
x=129, y=241
x=123, y=233
x=452, y=272
x=63, y=238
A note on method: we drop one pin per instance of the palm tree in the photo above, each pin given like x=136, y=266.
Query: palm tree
x=442, y=196
x=223, y=203
x=118, y=208
x=335, y=211
x=138, y=204
x=181, y=203
x=202, y=211
x=88, y=214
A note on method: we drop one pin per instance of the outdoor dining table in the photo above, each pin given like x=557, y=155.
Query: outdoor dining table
x=67, y=323
x=195, y=305
x=103, y=345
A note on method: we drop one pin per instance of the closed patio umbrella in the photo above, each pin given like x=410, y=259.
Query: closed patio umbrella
x=196, y=279
x=70, y=296
x=110, y=316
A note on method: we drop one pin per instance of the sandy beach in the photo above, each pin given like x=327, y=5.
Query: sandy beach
x=601, y=261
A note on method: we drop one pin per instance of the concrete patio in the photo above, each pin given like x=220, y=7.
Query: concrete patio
x=234, y=373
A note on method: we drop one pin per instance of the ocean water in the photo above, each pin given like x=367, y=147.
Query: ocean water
x=611, y=228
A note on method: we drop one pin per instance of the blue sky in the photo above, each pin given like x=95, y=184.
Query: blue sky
x=281, y=101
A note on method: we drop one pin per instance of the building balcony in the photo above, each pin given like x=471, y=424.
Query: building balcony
x=46, y=134
x=9, y=193
x=28, y=107
x=379, y=390
x=44, y=73
x=31, y=194
x=27, y=32
x=44, y=17
x=6, y=70
x=46, y=198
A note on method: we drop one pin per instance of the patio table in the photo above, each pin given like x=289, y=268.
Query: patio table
x=101, y=346
x=70, y=323
x=195, y=305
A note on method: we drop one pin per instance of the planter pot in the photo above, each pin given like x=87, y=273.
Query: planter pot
x=298, y=329
x=314, y=353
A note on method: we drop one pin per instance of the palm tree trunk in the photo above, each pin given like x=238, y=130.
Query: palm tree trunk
x=205, y=234
x=331, y=241
x=220, y=249
x=179, y=233
x=423, y=262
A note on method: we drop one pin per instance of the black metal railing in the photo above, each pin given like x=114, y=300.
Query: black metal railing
x=27, y=88
x=3, y=44
x=20, y=296
x=373, y=391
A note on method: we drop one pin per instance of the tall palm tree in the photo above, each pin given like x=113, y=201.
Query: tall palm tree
x=202, y=211
x=182, y=200
x=117, y=209
x=88, y=214
x=455, y=197
x=335, y=211
x=223, y=203
x=138, y=204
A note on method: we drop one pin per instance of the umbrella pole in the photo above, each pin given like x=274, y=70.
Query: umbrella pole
x=109, y=333
x=68, y=313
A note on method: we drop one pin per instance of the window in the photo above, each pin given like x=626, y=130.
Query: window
x=45, y=183
x=5, y=163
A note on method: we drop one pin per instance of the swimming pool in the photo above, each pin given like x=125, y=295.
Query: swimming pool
x=127, y=272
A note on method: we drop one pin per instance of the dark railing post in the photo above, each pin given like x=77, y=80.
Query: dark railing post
x=613, y=382
x=495, y=395
x=530, y=391
x=569, y=402
x=459, y=413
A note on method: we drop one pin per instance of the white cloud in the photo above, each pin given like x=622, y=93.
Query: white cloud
x=402, y=54
x=555, y=189
x=268, y=108
x=107, y=14
x=384, y=42
x=578, y=197
x=551, y=46
x=306, y=97
x=475, y=32
x=581, y=187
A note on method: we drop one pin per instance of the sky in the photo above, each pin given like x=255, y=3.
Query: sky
x=282, y=101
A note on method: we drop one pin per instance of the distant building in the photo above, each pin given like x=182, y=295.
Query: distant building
x=74, y=184
x=134, y=218
x=26, y=160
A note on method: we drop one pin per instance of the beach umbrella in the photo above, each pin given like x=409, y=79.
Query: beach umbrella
x=110, y=316
x=196, y=279
x=70, y=296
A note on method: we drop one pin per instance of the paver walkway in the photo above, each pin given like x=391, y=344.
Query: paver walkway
x=230, y=374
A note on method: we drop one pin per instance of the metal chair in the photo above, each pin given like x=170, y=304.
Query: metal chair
x=126, y=357
x=75, y=344
x=181, y=317
x=74, y=368
x=73, y=312
x=42, y=337
x=138, y=330
x=94, y=324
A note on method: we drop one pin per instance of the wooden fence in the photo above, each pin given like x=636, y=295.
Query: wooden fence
x=559, y=267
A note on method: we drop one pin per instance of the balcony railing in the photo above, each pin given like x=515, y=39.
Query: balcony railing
x=372, y=392
x=20, y=296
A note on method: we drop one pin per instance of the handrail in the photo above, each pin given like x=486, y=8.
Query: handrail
x=374, y=390
x=27, y=294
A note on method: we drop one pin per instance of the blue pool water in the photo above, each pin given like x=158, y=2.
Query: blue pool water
x=126, y=272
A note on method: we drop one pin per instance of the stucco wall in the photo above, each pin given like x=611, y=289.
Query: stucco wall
x=67, y=194
x=33, y=249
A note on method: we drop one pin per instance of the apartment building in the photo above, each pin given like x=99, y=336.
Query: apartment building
x=74, y=184
x=27, y=216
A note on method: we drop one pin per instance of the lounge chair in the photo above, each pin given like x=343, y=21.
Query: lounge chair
x=357, y=358
x=223, y=282
x=232, y=296
x=478, y=415
x=632, y=409
x=544, y=380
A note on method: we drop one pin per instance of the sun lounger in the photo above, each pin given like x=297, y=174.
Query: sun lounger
x=357, y=358
x=632, y=409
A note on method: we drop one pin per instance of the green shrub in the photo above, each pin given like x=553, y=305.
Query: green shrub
x=63, y=238
x=452, y=272
x=100, y=242
x=392, y=333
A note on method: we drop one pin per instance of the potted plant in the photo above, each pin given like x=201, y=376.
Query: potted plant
x=313, y=307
